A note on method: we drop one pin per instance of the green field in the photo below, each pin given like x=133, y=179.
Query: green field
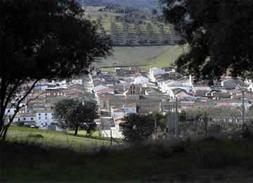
x=55, y=139
x=151, y=56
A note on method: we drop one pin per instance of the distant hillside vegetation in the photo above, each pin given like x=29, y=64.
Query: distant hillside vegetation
x=132, y=26
x=126, y=3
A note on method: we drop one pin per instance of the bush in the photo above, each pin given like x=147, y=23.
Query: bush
x=20, y=124
x=138, y=128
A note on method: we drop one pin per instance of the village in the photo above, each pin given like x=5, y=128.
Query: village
x=133, y=90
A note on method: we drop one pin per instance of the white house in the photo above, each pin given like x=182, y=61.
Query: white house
x=54, y=85
x=57, y=85
x=41, y=86
x=141, y=80
x=249, y=85
x=44, y=118
x=77, y=81
x=26, y=118
x=167, y=86
x=10, y=111
x=153, y=72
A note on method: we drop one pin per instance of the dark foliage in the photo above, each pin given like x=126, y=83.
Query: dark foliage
x=208, y=160
x=75, y=114
x=139, y=128
x=43, y=39
x=219, y=34
x=61, y=109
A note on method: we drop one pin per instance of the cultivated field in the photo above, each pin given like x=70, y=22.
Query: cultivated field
x=150, y=56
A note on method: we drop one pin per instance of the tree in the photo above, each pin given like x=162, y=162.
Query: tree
x=219, y=34
x=74, y=114
x=42, y=39
x=61, y=110
x=138, y=128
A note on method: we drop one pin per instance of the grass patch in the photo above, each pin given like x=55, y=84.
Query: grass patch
x=208, y=160
x=55, y=139
x=39, y=136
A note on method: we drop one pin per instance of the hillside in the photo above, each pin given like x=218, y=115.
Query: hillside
x=132, y=26
x=127, y=3
x=55, y=139
x=150, y=56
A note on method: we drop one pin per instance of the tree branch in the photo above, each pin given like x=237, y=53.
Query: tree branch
x=2, y=95
x=18, y=107
x=11, y=93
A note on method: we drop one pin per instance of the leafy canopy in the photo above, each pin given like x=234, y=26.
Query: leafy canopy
x=45, y=39
x=75, y=114
x=219, y=34
x=42, y=39
x=139, y=128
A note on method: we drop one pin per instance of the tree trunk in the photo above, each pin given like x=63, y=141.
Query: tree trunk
x=76, y=130
x=3, y=137
x=2, y=103
x=5, y=130
x=2, y=111
x=2, y=127
x=1, y=124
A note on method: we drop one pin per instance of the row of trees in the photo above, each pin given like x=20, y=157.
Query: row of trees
x=194, y=122
x=139, y=28
x=142, y=34
x=74, y=114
